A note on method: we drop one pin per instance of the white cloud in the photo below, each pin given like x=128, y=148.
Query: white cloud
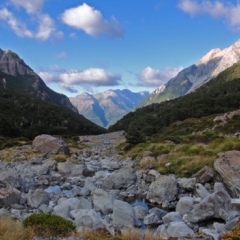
x=91, y=21
x=88, y=78
x=17, y=26
x=44, y=24
x=91, y=76
x=31, y=6
x=216, y=9
x=150, y=77
x=48, y=77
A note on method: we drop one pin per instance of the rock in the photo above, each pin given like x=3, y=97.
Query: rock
x=179, y=229
x=121, y=179
x=8, y=197
x=228, y=167
x=65, y=206
x=201, y=190
x=103, y=201
x=185, y=205
x=164, y=189
x=172, y=217
x=204, y=175
x=140, y=212
x=87, y=218
x=187, y=184
x=49, y=144
x=69, y=168
x=123, y=214
x=215, y=205
x=37, y=197
x=154, y=218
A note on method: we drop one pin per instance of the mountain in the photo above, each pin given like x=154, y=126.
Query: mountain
x=107, y=107
x=16, y=75
x=193, y=77
x=218, y=96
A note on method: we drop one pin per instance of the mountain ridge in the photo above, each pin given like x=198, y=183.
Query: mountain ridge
x=194, y=76
x=105, y=108
x=19, y=77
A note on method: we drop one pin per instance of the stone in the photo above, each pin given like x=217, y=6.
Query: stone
x=227, y=165
x=179, y=229
x=123, y=214
x=37, y=197
x=172, y=217
x=69, y=168
x=204, y=175
x=185, y=205
x=103, y=201
x=164, y=189
x=49, y=144
x=201, y=190
x=8, y=197
x=87, y=218
x=215, y=205
x=187, y=184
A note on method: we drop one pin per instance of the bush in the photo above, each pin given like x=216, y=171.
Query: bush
x=49, y=225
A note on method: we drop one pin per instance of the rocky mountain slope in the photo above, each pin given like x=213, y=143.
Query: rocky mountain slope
x=16, y=75
x=193, y=77
x=107, y=107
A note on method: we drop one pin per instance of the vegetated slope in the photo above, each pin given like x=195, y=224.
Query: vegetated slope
x=24, y=116
x=16, y=75
x=193, y=77
x=107, y=107
x=220, y=95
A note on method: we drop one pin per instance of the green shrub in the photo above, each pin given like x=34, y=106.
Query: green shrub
x=49, y=225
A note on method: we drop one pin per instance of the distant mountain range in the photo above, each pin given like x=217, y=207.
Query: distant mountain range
x=193, y=77
x=25, y=81
x=107, y=107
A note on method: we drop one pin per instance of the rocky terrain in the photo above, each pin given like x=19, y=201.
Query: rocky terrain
x=100, y=188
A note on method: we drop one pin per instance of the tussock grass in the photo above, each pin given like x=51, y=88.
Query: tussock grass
x=187, y=157
x=14, y=230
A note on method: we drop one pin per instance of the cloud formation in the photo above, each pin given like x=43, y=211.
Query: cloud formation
x=45, y=26
x=217, y=9
x=94, y=77
x=91, y=21
x=150, y=77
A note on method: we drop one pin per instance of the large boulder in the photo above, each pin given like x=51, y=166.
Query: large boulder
x=69, y=168
x=49, y=144
x=8, y=197
x=215, y=206
x=163, y=190
x=228, y=166
x=37, y=197
x=123, y=214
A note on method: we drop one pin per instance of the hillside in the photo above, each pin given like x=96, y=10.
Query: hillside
x=194, y=76
x=107, y=107
x=24, y=116
x=220, y=95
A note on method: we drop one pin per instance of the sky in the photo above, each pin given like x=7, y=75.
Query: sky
x=95, y=45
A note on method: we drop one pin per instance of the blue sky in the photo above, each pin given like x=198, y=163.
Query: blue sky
x=95, y=45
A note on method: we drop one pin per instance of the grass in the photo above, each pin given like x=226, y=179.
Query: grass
x=187, y=157
x=14, y=230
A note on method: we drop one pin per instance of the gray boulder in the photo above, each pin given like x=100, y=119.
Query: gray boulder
x=8, y=197
x=69, y=168
x=204, y=175
x=87, y=218
x=123, y=214
x=49, y=144
x=37, y=197
x=163, y=190
x=103, y=201
x=228, y=167
x=185, y=205
x=172, y=217
x=215, y=205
